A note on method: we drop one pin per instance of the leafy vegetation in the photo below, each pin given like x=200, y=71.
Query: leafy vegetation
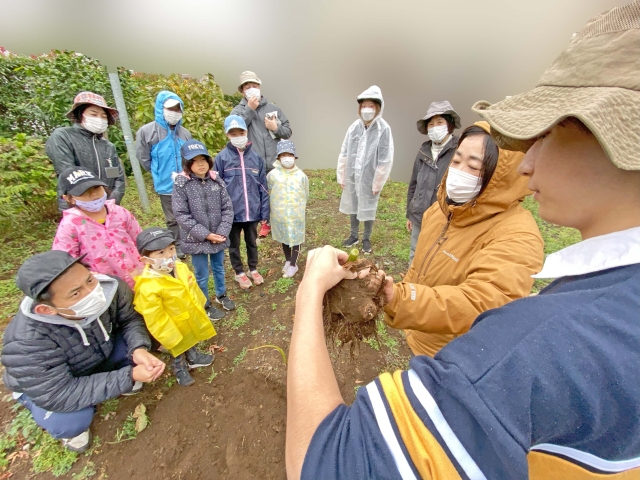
x=239, y=319
x=280, y=286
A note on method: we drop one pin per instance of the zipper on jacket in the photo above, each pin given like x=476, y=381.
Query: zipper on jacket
x=97, y=157
x=244, y=185
x=439, y=241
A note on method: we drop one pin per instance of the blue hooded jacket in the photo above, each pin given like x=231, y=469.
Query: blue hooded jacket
x=246, y=181
x=158, y=146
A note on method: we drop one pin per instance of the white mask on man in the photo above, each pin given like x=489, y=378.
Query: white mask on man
x=95, y=124
x=172, y=117
x=462, y=187
x=438, y=134
x=239, y=142
x=252, y=92
x=368, y=114
x=90, y=305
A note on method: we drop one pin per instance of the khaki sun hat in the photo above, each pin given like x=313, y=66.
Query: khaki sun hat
x=438, y=108
x=596, y=79
x=248, y=77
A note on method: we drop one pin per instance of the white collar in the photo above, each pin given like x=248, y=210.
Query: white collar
x=612, y=250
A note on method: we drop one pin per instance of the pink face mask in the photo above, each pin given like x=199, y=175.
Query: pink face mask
x=92, y=206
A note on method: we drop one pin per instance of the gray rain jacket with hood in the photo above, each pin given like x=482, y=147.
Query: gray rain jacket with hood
x=52, y=359
x=263, y=143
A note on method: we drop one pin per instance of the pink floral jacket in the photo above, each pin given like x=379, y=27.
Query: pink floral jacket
x=110, y=248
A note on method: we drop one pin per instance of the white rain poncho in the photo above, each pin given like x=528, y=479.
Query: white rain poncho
x=365, y=162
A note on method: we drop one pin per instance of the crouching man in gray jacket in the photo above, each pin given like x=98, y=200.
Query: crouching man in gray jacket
x=75, y=342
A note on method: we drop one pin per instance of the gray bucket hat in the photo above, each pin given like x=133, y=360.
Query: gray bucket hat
x=596, y=80
x=438, y=108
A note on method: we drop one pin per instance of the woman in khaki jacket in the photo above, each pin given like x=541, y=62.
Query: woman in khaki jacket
x=477, y=249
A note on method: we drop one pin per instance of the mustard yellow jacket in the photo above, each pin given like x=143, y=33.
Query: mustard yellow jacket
x=469, y=258
x=173, y=308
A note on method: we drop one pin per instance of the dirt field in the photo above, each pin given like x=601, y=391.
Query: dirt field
x=231, y=423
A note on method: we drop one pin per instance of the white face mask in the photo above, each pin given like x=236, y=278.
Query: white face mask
x=287, y=162
x=239, y=142
x=95, y=124
x=368, y=114
x=252, y=92
x=172, y=117
x=438, y=134
x=462, y=187
x=90, y=305
x=165, y=265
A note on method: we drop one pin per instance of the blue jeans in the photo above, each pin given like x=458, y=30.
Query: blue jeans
x=200, y=263
x=71, y=424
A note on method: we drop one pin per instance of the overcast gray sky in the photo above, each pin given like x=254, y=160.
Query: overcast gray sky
x=314, y=58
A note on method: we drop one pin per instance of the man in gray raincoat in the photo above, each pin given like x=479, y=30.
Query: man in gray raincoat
x=364, y=165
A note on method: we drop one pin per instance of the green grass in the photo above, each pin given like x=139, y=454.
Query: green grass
x=109, y=406
x=88, y=471
x=240, y=318
x=127, y=431
x=239, y=358
x=280, y=286
x=213, y=375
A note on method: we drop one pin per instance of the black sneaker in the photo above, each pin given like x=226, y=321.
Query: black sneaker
x=197, y=359
x=350, y=242
x=181, y=371
x=213, y=313
x=226, y=302
x=366, y=246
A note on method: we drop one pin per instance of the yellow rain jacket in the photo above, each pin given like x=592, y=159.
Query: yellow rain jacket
x=173, y=308
x=469, y=258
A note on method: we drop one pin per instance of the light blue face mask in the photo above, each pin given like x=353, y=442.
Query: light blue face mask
x=93, y=205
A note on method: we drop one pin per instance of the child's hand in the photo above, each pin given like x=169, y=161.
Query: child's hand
x=215, y=238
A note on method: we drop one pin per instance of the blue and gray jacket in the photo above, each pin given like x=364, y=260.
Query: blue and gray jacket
x=158, y=146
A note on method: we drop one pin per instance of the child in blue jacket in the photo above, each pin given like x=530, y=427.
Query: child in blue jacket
x=243, y=172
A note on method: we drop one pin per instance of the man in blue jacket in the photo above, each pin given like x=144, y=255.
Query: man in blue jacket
x=545, y=387
x=158, y=150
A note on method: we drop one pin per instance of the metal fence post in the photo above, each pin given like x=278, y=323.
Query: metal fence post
x=128, y=139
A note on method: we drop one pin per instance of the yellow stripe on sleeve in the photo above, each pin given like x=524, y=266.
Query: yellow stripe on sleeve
x=543, y=466
x=426, y=453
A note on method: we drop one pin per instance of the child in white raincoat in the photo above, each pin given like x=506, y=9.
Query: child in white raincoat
x=288, y=193
x=364, y=165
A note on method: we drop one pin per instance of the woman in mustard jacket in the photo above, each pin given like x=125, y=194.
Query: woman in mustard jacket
x=171, y=302
x=477, y=249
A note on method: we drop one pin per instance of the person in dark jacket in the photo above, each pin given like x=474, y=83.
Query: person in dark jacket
x=158, y=150
x=83, y=144
x=243, y=172
x=266, y=123
x=204, y=212
x=431, y=164
x=75, y=342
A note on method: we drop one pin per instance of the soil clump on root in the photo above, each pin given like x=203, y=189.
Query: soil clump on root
x=351, y=307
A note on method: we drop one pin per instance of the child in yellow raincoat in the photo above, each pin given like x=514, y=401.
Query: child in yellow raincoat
x=288, y=193
x=171, y=302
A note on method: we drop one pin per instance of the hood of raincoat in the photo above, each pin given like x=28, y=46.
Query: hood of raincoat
x=372, y=93
x=505, y=188
x=162, y=97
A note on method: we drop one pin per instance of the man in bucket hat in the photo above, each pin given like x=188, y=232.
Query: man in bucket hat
x=545, y=387
x=75, y=342
x=83, y=144
x=431, y=164
x=266, y=124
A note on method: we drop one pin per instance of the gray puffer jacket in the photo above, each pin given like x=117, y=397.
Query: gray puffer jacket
x=263, y=144
x=202, y=206
x=425, y=178
x=52, y=360
x=77, y=146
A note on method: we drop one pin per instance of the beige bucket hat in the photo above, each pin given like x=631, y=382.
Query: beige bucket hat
x=248, y=77
x=596, y=79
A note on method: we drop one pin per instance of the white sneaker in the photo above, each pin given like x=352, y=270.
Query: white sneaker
x=290, y=271
x=79, y=443
x=286, y=265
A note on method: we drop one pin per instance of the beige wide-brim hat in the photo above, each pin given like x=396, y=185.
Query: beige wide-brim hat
x=248, y=77
x=596, y=80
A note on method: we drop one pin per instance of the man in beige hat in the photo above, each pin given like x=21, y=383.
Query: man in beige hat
x=266, y=124
x=545, y=387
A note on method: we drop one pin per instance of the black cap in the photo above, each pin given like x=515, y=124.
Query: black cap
x=77, y=180
x=37, y=272
x=154, y=238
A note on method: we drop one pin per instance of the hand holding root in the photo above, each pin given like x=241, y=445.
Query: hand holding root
x=324, y=268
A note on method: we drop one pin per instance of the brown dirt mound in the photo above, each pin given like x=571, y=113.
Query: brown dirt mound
x=351, y=307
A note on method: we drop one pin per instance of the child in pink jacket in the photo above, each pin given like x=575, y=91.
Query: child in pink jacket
x=96, y=227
